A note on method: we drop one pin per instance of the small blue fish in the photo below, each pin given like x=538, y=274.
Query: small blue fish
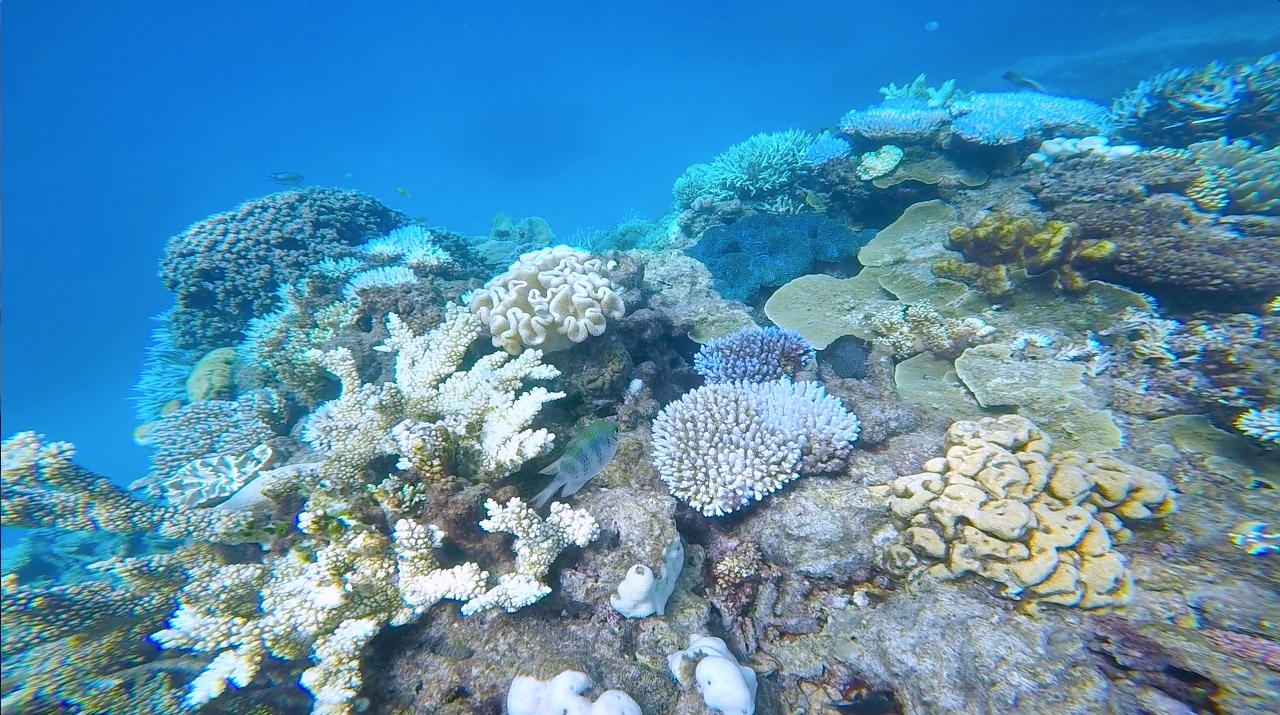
x=286, y=178
x=586, y=455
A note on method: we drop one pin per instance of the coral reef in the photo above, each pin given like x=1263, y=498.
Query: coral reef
x=754, y=355
x=763, y=250
x=1181, y=106
x=1001, y=244
x=216, y=269
x=335, y=450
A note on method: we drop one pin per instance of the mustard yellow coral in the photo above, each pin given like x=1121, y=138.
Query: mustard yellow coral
x=1001, y=242
x=1002, y=504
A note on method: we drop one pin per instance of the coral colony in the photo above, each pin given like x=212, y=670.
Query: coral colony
x=967, y=405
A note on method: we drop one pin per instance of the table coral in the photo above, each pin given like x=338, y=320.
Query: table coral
x=226, y=269
x=1003, y=504
x=549, y=299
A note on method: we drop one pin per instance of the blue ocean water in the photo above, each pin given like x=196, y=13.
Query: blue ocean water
x=126, y=123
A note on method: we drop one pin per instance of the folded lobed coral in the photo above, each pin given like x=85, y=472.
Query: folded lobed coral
x=227, y=268
x=722, y=445
x=1004, y=505
x=549, y=299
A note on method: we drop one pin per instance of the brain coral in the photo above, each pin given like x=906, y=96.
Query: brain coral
x=549, y=299
x=722, y=445
x=225, y=270
x=1003, y=505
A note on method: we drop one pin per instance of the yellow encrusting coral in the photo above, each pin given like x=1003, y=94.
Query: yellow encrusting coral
x=1004, y=505
x=1001, y=243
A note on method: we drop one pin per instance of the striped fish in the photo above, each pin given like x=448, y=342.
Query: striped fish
x=586, y=455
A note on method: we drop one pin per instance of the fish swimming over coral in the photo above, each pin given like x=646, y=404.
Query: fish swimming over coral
x=286, y=178
x=1023, y=82
x=586, y=455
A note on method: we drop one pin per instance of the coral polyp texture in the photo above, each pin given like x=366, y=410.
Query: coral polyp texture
x=754, y=355
x=723, y=445
x=1004, y=505
x=440, y=421
x=549, y=299
x=768, y=250
x=1175, y=108
x=226, y=269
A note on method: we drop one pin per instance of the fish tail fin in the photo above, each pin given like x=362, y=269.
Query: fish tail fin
x=545, y=495
x=553, y=468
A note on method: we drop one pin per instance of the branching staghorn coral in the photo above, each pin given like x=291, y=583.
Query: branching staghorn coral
x=432, y=412
x=332, y=576
x=42, y=487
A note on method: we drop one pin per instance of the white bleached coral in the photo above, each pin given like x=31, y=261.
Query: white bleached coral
x=538, y=543
x=548, y=299
x=327, y=596
x=1003, y=505
x=563, y=694
x=432, y=411
x=723, y=445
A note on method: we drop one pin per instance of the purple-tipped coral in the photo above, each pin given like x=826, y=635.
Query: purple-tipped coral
x=754, y=355
x=721, y=446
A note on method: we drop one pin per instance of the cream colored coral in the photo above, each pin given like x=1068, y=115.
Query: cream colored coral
x=550, y=299
x=908, y=329
x=1043, y=524
x=538, y=542
x=325, y=597
x=478, y=417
